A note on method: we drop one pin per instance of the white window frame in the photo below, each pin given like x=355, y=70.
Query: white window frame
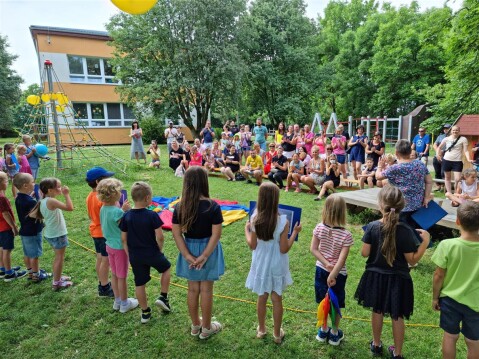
x=124, y=122
x=86, y=78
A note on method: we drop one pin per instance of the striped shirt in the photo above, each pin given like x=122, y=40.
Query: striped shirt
x=331, y=242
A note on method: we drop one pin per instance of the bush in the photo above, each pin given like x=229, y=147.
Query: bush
x=153, y=129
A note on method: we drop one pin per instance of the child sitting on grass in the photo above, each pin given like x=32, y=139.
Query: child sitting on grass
x=109, y=193
x=456, y=283
x=30, y=228
x=143, y=241
x=467, y=189
x=8, y=231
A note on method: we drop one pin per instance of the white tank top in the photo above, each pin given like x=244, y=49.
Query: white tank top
x=470, y=190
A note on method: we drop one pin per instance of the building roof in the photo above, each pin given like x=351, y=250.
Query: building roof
x=49, y=30
x=468, y=124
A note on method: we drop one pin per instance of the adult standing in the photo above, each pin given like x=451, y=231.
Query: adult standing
x=197, y=225
x=137, y=150
x=208, y=134
x=321, y=141
x=411, y=177
x=375, y=148
x=420, y=146
x=358, y=144
x=456, y=146
x=260, y=133
x=338, y=142
x=439, y=172
x=308, y=139
x=279, y=133
x=233, y=128
x=171, y=134
x=288, y=144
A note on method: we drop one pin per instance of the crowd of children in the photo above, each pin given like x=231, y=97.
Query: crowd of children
x=124, y=235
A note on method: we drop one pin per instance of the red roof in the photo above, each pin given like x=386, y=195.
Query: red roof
x=469, y=125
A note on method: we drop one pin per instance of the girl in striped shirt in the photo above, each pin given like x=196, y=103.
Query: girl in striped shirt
x=330, y=246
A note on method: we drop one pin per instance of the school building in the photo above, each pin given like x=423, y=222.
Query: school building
x=83, y=72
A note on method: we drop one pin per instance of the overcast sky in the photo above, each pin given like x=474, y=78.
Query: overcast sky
x=17, y=15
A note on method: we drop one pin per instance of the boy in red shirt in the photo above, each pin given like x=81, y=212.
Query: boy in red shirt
x=93, y=204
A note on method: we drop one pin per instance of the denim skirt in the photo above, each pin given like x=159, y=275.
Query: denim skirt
x=213, y=268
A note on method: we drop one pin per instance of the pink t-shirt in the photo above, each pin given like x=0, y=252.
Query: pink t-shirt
x=336, y=141
x=24, y=165
x=321, y=143
x=308, y=136
x=331, y=242
x=196, y=160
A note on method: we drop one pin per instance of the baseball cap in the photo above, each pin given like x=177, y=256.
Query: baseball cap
x=170, y=122
x=446, y=126
x=97, y=172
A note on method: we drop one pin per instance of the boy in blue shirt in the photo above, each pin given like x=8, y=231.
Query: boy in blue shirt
x=420, y=144
x=260, y=133
x=143, y=240
x=30, y=229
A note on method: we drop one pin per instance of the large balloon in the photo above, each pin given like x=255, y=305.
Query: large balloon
x=42, y=150
x=61, y=98
x=33, y=100
x=134, y=7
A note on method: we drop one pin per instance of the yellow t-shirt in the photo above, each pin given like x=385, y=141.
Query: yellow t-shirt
x=255, y=163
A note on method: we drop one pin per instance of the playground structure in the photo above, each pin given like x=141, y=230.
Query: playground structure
x=54, y=123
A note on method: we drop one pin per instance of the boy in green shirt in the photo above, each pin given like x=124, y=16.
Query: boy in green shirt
x=456, y=283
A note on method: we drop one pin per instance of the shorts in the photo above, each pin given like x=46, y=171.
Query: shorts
x=321, y=286
x=6, y=240
x=58, y=242
x=341, y=159
x=453, y=313
x=452, y=166
x=100, y=246
x=245, y=149
x=141, y=267
x=318, y=179
x=356, y=156
x=208, y=144
x=32, y=245
x=118, y=260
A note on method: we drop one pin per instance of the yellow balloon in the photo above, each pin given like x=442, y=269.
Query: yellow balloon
x=46, y=97
x=134, y=7
x=61, y=98
x=33, y=100
x=59, y=108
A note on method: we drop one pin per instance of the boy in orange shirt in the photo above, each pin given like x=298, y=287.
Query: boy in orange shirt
x=93, y=204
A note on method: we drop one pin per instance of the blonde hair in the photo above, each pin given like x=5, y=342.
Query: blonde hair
x=470, y=172
x=21, y=147
x=108, y=189
x=334, y=211
x=390, y=158
x=3, y=176
x=391, y=202
x=140, y=190
x=26, y=137
x=266, y=214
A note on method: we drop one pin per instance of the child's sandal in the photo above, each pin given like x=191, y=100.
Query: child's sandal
x=260, y=334
x=215, y=327
x=279, y=340
x=195, y=330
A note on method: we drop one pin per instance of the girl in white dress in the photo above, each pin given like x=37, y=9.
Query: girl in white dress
x=267, y=237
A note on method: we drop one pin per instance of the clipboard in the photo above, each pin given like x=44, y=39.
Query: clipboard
x=293, y=214
x=428, y=216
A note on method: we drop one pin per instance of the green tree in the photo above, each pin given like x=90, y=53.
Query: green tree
x=180, y=56
x=23, y=110
x=278, y=40
x=9, y=87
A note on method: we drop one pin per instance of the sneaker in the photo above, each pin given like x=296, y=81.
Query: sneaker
x=2, y=273
x=376, y=350
x=61, y=284
x=323, y=337
x=40, y=276
x=249, y=181
x=215, y=327
x=391, y=352
x=163, y=303
x=14, y=275
x=145, y=315
x=105, y=291
x=16, y=268
x=131, y=304
x=116, y=305
x=336, y=339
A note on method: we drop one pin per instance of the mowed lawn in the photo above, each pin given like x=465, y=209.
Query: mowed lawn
x=76, y=323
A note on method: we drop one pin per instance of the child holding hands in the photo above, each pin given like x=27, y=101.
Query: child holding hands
x=456, y=284
x=267, y=237
x=330, y=246
x=109, y=193
x=143, y=241
x=386, y=285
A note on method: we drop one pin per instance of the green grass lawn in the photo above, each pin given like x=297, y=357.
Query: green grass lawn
x=76, y=323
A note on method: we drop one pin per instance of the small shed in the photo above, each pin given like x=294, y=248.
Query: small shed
x=469, y=125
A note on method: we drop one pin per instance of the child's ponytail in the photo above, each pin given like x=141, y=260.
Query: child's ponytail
x=391, y=202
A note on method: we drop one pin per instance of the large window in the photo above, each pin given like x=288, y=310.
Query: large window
x=90, y=70
x=103, y=114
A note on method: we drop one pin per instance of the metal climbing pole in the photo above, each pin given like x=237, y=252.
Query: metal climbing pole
x=48, y=68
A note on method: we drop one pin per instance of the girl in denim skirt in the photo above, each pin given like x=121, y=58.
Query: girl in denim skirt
x=197, y=224
x=55, y=231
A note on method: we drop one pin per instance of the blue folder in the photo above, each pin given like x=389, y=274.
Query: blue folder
x=293, y=214
x=428, y=216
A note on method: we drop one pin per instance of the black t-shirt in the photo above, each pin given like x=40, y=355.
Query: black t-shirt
x=280, y=160
x=176, y=157
x=209, y=214
x=374, y=155
x=28, y=226
x=405, y=243
x=140, y=225
x=288, y=147
x=234, y=157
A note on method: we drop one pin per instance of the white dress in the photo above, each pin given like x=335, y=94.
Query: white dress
x=269, y=267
